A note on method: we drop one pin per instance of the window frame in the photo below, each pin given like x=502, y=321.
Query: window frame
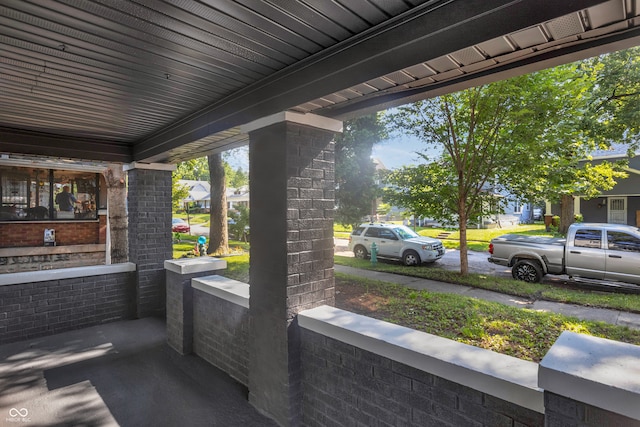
x=30, y=204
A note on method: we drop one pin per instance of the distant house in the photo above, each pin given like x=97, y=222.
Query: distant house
x=621, y=204
x=237, y=197
x=199, y=194
x=199, y=197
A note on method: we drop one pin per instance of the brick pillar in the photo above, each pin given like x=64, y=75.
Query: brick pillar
x=150, y=238
x=292, y=201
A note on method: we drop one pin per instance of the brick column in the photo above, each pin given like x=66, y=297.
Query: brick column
x=292, y=201
x=150, y=239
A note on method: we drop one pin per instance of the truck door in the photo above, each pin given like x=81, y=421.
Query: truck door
x=585, y=255
x=623, y=257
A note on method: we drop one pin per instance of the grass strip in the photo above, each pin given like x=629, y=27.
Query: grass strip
x=533, y=291
x=517, y=332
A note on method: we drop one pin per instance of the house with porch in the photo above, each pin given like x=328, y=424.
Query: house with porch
x=199, y=196
x=621, y=204
x=107, y=98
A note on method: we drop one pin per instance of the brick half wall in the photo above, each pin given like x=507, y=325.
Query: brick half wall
x=43, y=303
x=361, y=371
x=221, y=324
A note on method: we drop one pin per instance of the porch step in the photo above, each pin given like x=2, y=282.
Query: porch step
x=443, y=235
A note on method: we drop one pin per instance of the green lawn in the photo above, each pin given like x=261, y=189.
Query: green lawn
x=616, y=301
x=478, y=239
x=187, y=244
x=521, y=333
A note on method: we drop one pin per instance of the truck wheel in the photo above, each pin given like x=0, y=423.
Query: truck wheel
x=411, y=258
x=360, y=252
x=527, y=270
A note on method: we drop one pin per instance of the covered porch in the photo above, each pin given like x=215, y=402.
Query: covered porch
x=141, y=86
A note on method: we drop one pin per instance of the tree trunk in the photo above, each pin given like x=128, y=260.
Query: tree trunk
x=566, y=213
x=117, y=211
x=218, y=234
x=462, y=224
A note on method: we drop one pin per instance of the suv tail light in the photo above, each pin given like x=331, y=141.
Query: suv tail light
x=491, y=248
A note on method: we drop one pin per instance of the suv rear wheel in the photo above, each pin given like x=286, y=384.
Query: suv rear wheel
x=360, y=252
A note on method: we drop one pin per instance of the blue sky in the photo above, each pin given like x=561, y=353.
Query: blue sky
x=393, y=153
x=401, y=151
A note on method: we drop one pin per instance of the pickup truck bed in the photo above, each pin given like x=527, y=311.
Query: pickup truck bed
x=549, y=251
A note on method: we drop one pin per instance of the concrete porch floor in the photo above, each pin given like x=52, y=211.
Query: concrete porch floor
x=121, y=373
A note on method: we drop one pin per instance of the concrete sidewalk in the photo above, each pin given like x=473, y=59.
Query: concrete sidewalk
x=614, y=317
x=117, y=374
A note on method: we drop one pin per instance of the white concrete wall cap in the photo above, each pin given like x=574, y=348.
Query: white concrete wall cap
x=597, y=371
x=311, y=120
x=64, y=273
x=222, y=287
x=508, y=378
x=149, y=166
x=195, y=265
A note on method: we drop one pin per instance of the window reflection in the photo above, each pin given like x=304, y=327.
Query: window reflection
x=31, y=194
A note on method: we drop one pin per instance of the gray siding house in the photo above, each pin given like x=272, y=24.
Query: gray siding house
x=621, y=204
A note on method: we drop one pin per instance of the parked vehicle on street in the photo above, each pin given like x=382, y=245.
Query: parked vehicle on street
x=179, y=226
x=537, y=214
x=592, y=252
x=395, y=242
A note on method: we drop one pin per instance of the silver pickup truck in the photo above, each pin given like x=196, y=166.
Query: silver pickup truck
x=596, y=252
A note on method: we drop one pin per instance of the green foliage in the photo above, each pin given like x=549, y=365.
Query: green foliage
x=179, y=192
x=491, y=135
x=614, y=99
x=238, y=178
x=241, y=217
x=194, y=169
x=355, y=171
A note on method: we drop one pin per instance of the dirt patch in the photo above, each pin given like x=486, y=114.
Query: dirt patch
x=356, y=298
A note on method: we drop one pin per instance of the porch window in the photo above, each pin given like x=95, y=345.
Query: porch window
x=31, y=194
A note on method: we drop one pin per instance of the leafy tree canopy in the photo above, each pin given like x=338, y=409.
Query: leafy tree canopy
x=356, y=190
x=525, y=135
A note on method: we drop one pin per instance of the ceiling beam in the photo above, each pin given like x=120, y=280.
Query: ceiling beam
x=44, y=144
x=542, y=61
x=424, y=33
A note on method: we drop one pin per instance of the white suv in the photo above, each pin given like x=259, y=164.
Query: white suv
x=396, y=242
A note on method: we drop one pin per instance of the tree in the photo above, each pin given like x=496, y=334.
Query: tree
x=492, y=136
x=179, y=192
x=240, y=222
x=218, y=237
x=194, y=169
x=239, y=178
x=355, y=170
x=614, y=100
x=606, y=108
